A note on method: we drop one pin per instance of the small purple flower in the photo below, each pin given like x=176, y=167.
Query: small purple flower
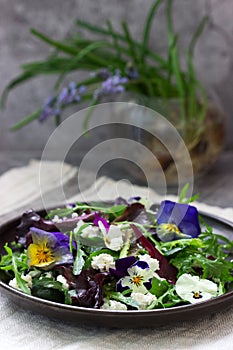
x=48, y=249
x=103, y=73
x=132, y=73
x=176, y=221
x=113, y=84
x=67, y=95
x=49, y=109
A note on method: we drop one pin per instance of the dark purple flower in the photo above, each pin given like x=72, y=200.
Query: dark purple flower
x=176, y=221
x=122, y=265
x=132, y=72
x=103, y=73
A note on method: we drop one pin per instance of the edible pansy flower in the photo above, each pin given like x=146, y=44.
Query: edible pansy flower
x=153, y=263
x=138, y=279
x=193, y=289
x=48, y=249
x=176, y=221
x=111, y=233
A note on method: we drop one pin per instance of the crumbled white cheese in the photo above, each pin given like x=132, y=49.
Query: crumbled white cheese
x=88, y=232
x=103, y=262
x=63, y=281
x=56, y=219
x=74, y=215
x=143, y=300
x=113, y=305
x=27, y=278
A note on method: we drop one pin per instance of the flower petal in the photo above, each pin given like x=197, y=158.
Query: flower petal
x=184, y=216
x=193, y=289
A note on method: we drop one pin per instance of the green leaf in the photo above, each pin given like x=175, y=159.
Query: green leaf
x=192, y=98
x=115, y=39
x=126, y=300
x=49, y=289
x=130, y=42
x=159, y=287
x=79, y=261
x=183, y=193
x=57, y=44
x=147, y=28
x=173, y=52
x=100, y=30
x=26, y=120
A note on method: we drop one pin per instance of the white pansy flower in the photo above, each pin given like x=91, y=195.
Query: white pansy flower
x=153, y=263
x=136, y=279
x=193, y=289
x=113, y=305
x=112, y=237
x=103, y=262
x=143, y=300
x=27, y=278
x=63, y=281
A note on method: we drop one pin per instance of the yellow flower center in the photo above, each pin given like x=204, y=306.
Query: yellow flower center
x=197, y=295
x=40, y=255
x=137, y=280
x=170, y=228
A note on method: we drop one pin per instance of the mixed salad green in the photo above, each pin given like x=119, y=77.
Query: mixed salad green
x=123, y=256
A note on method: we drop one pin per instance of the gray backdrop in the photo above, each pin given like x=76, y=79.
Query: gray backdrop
x=55, y=18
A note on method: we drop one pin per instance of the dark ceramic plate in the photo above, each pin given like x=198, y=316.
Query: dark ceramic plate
x=120, y=319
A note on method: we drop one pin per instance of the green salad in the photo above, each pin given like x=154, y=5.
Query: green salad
x=123, y=256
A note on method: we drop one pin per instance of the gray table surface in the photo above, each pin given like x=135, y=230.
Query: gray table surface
x=215, y=187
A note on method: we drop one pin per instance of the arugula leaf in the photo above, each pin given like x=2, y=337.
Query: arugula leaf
x=49, y=289
x=123, y=299
x=18, y=264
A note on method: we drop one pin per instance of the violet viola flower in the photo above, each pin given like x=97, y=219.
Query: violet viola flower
x=177, y=221
x=48, y=249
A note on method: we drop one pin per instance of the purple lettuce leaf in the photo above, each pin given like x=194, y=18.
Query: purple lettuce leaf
x=89, y=289
x=31, y=219
x=166, y=270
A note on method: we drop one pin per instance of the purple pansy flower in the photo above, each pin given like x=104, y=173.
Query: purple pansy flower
x=48, y=249
x=176, y=221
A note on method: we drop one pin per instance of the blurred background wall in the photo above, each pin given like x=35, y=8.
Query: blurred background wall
x=213, y=56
